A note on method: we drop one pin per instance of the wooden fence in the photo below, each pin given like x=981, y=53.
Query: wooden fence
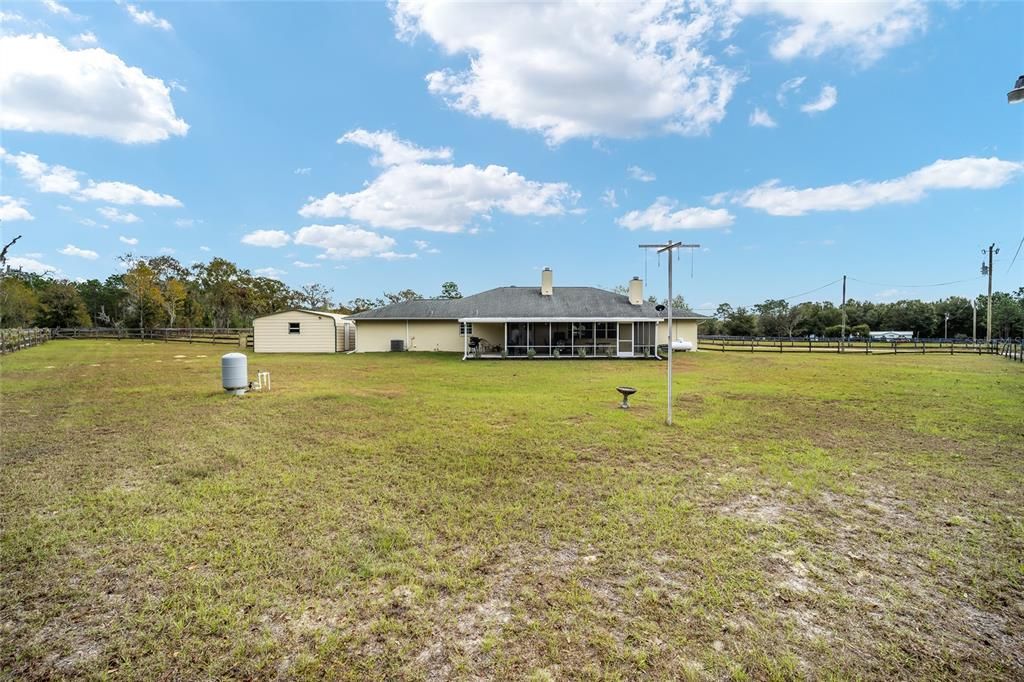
x=228, y=336
x=1011, y=348
x=16, y=339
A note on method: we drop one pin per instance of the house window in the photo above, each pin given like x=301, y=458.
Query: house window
x=293, y=327
x=465, y=328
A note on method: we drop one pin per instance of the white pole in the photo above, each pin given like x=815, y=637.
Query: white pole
x=669, y=252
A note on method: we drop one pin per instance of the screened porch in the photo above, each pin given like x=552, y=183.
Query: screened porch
x=565, y=339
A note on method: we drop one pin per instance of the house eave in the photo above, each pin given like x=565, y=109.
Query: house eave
x=498, y=320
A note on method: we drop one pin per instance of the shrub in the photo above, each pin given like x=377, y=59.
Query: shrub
x=582, y=352
x=860, y=330
x=557, y=353
x=834, y=332
x=530, y=352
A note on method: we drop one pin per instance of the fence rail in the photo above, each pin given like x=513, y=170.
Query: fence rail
x=17, y=339
x=1011, y=348
x=233, y=336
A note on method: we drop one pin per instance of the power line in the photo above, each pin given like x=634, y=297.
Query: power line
x=823, y=286
x=1016, y=254
x=918, y=286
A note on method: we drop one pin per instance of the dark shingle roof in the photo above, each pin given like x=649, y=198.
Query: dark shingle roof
x=523, y=302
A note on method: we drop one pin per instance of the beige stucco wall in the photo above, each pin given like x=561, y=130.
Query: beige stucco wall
x=492, y=332
x=684, y=329
x=316, y=333
x=374, y=336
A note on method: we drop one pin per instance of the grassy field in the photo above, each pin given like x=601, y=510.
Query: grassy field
x=411, y=516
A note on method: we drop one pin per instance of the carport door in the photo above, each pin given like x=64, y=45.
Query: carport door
x=625, y=339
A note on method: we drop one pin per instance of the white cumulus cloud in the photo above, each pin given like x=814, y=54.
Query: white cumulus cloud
x=12, y=209
x=826, y=100
x=56, y=8
x=31, y=265
x=146, y=18
x=790, y=86
x=392, y=255
x=344, y=241
x=572, y=70
x=72, y=250
x=117, y=216
x=123, y=193
x=391, y=150
x=639, y=174
x=130, y=241
x=663, y=215
x=273, y=273
x=964, y=173
x=85, y=39
x=48, y=88
x=442, y=198
x=866, y=30
x=608, y=198
x=272, y=238
x=761, y=118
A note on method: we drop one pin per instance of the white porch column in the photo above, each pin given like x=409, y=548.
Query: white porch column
x=506, y=340
x=465, y=340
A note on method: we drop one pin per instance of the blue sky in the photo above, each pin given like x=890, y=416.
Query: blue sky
x=373, y=147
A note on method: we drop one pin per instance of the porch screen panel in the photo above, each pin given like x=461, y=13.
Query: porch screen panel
x=583, y=337
x=605, y=338
x=561, y=337
x=518, y=335
x=540, y=337
x=644, y=339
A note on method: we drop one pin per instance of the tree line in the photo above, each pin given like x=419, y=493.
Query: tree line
x=161, y=292
x=950, y=317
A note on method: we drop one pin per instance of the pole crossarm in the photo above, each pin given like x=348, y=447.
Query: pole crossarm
x=663, y=248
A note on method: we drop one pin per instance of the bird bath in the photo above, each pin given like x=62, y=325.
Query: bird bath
x=626, y=391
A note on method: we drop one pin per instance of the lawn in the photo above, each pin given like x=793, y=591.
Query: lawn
x=412, y=516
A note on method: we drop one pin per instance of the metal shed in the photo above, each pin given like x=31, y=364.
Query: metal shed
x=303, y=331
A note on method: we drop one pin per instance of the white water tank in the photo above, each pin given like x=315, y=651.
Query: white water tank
x=234, y=371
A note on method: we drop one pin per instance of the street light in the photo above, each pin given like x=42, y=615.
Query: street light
x=1016, y=96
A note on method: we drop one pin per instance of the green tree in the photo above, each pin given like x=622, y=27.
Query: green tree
x=740, y=322
x=402, y=296
x=19, y=305
x=316, y=296
x=143, y=291
x=60, y=305
x=358, y=305
x=450, y=290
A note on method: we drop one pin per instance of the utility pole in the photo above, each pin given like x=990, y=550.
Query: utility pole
x=945, y=333
x=987, y=270
x=669, y=248
x=842, y=339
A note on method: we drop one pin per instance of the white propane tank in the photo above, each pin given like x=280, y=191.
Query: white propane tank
x=234, y=371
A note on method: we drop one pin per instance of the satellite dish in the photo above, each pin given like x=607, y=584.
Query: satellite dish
x=660, y=308
x=1017, y=94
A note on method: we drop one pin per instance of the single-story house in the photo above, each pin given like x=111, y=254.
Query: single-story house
x=567, y=321
x=303, y=331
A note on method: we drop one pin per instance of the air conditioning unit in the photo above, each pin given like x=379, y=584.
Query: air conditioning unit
x=397, y=345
